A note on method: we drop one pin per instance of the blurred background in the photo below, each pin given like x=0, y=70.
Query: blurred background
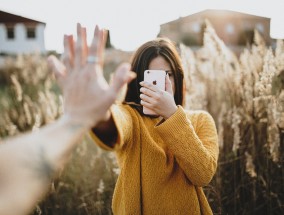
x=233, y=59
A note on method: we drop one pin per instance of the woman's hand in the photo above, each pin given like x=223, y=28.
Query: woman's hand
x=160, y=101
x=87, y=95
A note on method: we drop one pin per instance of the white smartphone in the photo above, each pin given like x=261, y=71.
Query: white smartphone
x=157, y=78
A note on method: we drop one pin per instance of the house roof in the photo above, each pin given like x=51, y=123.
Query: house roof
x=9, y=18
x=216, y=13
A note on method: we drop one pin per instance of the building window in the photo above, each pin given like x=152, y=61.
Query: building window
x=31, y=33
x=10, y=33
x=196, y=27
x=246, y=37
x=260, y=27
x=230, y=29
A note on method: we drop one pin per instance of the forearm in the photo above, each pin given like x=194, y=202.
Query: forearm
x=62, y=137
x=28, y=162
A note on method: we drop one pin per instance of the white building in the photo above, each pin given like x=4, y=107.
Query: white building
x=20, y=35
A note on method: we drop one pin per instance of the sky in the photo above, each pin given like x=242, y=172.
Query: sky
x=130, y=22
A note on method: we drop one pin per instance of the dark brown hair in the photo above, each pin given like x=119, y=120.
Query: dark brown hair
x=140, y=62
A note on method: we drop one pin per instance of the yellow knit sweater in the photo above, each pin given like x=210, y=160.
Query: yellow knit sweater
x=163, y=164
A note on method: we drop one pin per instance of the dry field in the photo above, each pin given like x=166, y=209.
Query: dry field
x=244, y=94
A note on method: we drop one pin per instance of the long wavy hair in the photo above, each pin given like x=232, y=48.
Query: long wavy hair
x=140, y=62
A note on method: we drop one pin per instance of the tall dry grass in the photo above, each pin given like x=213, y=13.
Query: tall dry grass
x=244, y=95
x=30, y=98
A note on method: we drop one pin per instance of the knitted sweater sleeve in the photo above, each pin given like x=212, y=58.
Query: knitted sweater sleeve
x=195, y=150
x=123, y=123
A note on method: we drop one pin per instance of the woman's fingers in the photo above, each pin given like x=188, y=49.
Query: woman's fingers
x=146, y=104
x=151, y=91
x=169, y=87
x=150, y=86
x=147, y=99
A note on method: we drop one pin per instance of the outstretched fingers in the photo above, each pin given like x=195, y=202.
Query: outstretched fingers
x=68, y=54
x=101, y=48
x=122, y=76
x=96, y=51
x=81, y=47
x=57, y=68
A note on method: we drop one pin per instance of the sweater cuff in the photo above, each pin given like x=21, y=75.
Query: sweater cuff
x=173, y=126
x=113, y=109
x=99, y=142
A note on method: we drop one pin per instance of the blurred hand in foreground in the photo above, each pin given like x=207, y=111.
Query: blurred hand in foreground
x=29, y=161
x=87, y=95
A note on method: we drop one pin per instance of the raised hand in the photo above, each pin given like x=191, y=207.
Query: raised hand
x=87, y=95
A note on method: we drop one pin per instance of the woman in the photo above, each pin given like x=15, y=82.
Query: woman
x=164, y=160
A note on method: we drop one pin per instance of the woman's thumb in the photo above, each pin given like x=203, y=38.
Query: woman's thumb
x=169, y=87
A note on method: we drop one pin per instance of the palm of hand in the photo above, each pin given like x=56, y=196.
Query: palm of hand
x=87, y=95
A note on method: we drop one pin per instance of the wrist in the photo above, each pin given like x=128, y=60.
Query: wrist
x=170, y=113
x=76, y=124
